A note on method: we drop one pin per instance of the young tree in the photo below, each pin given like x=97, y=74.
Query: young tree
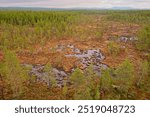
x=113, y=48
x=92, y=82
x=143, y=72
x=15, y=76
x=82, y=91
x=143, y=42
x=106, y=82
x=50, y=76
x=125, y=71
x=77, y=77
x=124, y=78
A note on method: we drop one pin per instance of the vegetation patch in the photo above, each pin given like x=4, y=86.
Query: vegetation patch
x=92, y=54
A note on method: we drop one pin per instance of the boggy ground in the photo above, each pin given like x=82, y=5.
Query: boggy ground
x=55, y=50
x=67, y=53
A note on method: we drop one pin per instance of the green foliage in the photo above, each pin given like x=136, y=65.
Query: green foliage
x=143, y=42
x=77, y=77
x=124, y=79
x=65, y=90
x=106, y=80
x=33, y=18
x=50, y=76
x=134, y=16
x=86, y=84
x=125, y=70
x=23, y=28
x=92, y=83
x=13, y=73
x=83, y=93
x=90, y=74
x=105, y=84
x=143, y=72
x=99, y=34
x=113, y=48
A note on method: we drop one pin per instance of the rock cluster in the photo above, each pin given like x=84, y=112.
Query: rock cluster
x=86, y=58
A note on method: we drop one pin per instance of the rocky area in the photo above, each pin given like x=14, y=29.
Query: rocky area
x=86, y=58
x=124, y=39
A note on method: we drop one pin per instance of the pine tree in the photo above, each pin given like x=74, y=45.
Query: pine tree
x=143, y=72
x=15, y=76
x=82, y=91
x=143, y=42
x=50, y=76
x=124, y=78
x=125, y=71
x=92, y=82
x=77, y=77
x=106, y=82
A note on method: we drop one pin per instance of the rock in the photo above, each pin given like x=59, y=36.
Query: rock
x=126, y=39
x=41, y=76
x=86, y=58
x=70, y=46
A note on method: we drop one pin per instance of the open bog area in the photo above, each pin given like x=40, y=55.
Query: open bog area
x=75, y=54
